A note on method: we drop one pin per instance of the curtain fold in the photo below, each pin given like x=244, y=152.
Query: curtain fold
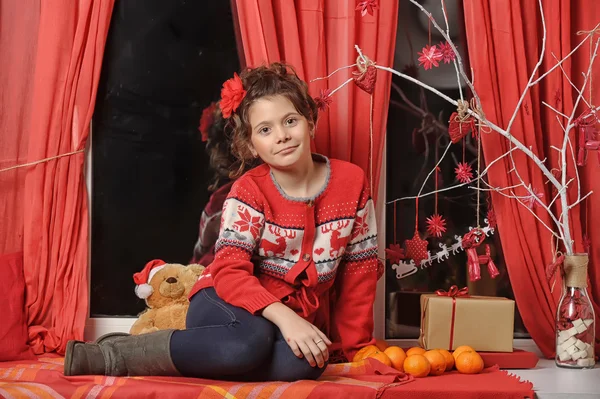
x=504, y=42
x=317, y=37
x=49, y=115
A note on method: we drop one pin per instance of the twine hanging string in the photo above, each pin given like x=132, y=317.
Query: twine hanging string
x=363, y=63
x=41, y=161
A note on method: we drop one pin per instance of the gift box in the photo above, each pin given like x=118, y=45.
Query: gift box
x=451, y=319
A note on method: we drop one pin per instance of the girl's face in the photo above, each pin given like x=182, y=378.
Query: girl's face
x=280, y=135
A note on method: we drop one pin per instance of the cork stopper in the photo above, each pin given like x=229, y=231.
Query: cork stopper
x=575, y=267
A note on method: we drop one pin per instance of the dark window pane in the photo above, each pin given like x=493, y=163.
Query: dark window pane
x=164, y=63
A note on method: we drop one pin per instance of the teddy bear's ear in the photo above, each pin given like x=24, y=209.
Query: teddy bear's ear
x=196, y=268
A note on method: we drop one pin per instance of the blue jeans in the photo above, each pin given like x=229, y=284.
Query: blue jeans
x=222, y=341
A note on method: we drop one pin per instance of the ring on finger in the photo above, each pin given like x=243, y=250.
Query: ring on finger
x=318, y=342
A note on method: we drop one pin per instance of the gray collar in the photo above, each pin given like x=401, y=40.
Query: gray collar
x=315, y=157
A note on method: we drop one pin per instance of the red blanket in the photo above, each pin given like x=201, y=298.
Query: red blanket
x=368, y=379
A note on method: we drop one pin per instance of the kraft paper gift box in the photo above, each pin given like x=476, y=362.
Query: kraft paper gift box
x=482, y=322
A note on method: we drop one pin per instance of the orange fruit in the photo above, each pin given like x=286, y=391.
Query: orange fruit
x=397, y=357
x=437, y=362
x=381, y=345
x=449, y=358
x=417, y=366
x=469, y=363
x=415, y=350
x=460, y=350
x=382, y=357
x=364, y=352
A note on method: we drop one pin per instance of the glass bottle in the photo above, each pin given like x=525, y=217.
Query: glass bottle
x=575, y=319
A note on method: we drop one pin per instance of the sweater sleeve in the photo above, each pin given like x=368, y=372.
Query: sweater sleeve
x=356, y=281
x=242, y=223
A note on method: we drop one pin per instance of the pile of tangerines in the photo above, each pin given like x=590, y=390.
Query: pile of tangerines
x=419, y=362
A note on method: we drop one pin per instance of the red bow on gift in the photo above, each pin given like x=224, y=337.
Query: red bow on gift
x=470, y=242
x=454, y=292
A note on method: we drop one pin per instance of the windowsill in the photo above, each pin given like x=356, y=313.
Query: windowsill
x=549, y=381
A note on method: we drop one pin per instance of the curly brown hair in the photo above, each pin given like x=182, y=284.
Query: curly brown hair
x=266, y=81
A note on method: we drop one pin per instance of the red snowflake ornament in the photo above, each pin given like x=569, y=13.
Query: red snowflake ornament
x=324, y=100
x=394, y=253
x=416, y=249
x=430, y=57
x=436, y=225
x=248, y=223
x=447, y=53
x=531, y=200
x=464, y=172
x=366, y=7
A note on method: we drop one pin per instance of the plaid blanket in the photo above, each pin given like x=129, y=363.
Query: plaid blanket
x=367, y=379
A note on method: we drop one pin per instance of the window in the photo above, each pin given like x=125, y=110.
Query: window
x=412, y=144
x=164, y=63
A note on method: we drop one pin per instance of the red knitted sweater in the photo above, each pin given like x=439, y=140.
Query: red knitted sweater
x=316, y=255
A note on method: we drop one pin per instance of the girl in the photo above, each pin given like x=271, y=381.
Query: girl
x=295, y=262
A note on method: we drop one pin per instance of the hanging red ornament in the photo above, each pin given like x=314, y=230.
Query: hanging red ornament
x=470, y=242
x=394, y=253
x=429, y=57
x=416, y=249
x=323, y=100
x=464, y=172
x=366, y=79
x=446, y=51
x=459, y=127
x=436, y=225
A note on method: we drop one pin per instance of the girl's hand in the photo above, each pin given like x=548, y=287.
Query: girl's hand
x=304, y=339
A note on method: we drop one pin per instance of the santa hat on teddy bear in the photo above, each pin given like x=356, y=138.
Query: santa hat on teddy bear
x=142, y=279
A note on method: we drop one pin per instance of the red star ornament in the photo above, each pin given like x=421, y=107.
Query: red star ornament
x=394, y=253
x=436, y=225
x=463, y=172
x=446, y=51
x=416, y=249
x=324, y=100
x=429, y=57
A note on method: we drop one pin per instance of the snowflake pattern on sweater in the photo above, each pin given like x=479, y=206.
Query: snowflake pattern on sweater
x=279, y=247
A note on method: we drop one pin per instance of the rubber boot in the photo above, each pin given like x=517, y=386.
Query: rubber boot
x=134, y=355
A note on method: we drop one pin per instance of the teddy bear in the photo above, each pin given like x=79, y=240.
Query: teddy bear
x=165, y=287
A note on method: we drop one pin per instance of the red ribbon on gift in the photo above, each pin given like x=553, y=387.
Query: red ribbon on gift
x=453, y=292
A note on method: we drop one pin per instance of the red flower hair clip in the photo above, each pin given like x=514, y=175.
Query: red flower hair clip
x=232, y=95
x=207, y=119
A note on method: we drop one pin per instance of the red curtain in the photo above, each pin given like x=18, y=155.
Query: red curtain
x=504, y=42
x=52, y=53
x=316, y=37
